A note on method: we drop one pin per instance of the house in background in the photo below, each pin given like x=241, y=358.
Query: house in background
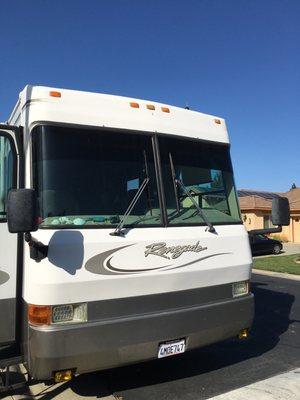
x=256, y=207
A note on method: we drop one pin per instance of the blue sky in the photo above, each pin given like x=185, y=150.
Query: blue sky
x=239, y=59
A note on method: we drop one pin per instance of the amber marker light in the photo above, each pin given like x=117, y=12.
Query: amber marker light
x=150, y=107
x=165, y=109
x=63, y=376
x=244, y=334
x=39, y=315
x=217, y=121
x=134, y=105
x=54, y=94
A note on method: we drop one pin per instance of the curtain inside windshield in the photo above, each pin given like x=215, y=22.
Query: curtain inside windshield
x=206, y=173
x=89, y=177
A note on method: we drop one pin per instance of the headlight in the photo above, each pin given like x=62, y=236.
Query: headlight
x=69, y=313
x=240, y=288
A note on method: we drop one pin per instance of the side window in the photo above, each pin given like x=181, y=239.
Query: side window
x=6, y=173
x=268, y=222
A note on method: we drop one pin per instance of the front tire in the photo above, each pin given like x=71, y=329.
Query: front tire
x=276, y=249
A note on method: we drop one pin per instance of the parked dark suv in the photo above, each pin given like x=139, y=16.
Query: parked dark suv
x=262, y=244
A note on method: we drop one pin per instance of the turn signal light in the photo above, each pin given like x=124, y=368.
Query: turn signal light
x=63, y=376
x=54, y=94
x=39, y=315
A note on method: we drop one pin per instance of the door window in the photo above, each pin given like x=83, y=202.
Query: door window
x=6, y=173
x=268, y=222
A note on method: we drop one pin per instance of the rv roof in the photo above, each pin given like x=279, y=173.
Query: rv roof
x=97, y=109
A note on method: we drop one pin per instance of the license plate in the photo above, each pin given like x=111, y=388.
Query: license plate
x=171, y=348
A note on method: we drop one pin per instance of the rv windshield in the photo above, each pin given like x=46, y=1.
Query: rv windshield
x=89, y=177
x=206, y=173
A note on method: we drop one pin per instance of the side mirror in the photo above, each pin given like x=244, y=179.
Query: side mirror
x=22, y=211
x=280, y=211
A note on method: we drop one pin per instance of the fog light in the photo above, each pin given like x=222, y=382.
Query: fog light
x=243, y=334
x=69, y=313
x=240, y=288
x=63, y=376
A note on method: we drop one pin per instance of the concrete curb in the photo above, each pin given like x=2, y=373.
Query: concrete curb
x=276, y=274
x=285, y=386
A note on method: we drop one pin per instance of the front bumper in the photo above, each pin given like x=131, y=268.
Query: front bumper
x=122, y=340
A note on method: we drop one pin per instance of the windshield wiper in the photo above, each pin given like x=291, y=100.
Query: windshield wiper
x=177, y=182
x=174, y=183
x=199, y=209
x=118, y=230
x=148, y=187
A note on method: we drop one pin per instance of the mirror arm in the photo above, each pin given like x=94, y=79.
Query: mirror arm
x=265, y=231
x=38, y=250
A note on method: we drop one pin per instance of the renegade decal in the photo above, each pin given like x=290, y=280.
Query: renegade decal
x=101, y=263
x=161, y=249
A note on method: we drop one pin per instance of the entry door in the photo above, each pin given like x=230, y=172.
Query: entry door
x=296, y=228
x=8, y=242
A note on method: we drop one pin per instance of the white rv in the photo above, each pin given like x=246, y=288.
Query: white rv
x=121, y=239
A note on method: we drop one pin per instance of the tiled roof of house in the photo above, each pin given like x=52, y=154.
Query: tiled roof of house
x=258, y=193
x=254, y=199
x=294, y=198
